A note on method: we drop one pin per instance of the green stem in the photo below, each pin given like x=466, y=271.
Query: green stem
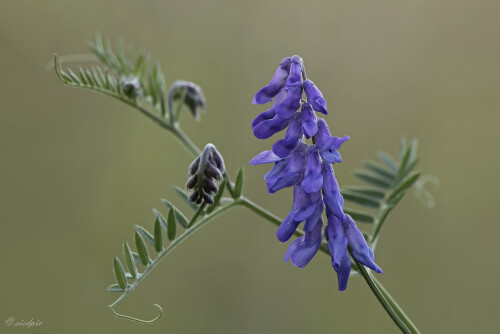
x=395, y=306
x=388, y=307
x=170, y=247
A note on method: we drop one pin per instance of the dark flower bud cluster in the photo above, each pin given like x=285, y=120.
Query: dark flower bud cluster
x=193, y=96
x=131, y=87
x=308, y=169
x=204, y=174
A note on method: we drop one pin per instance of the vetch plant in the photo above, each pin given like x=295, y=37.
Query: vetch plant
x=302, y=160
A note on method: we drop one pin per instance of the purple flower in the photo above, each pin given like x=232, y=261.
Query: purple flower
x=327, y=144
x=360, y=250
x=268, y=123
x=288, y=104
x=315, y=97
x=283, y=147
x=333, y=200
x=313, y=179
x=309, y=120
x=278, y=81
x=286, y=171
x=302, y=250
x=337, y=245
x=303, y=203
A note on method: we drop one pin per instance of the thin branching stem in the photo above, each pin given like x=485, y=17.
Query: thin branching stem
x=170, y=247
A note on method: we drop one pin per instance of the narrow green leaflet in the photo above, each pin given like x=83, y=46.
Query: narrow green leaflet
x=380, y=170
x=158, y=242
x=141, y=248
x=145, y=234
x=160, y=217
x=171, y=226
x=129, y=259
x=360, y=198
x=115, y=288
x=375, y=180
x=366, y=191
x=389, y=161
x=404, y=162
x=179, y=217
x=238, y=184
x=119, y=273
x=360, y=215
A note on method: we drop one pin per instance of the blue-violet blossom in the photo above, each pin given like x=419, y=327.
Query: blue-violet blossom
x=308, y=169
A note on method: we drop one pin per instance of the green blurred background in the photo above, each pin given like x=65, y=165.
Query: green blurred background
x=78, y=169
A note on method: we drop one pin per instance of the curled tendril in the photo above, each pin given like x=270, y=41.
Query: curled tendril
x=118, y=315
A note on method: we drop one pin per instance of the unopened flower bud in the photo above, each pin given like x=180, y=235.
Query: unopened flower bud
x=204, y=173
x=131, y=87
x=193, y=96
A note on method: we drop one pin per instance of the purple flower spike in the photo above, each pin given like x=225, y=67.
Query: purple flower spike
x=264, y=158
x=288, y=171
x=333, y=200
x=283, y=147
x=327, y=144
x=309, y=120
x=287, y=228
x=360, y=250
x=315, y=97
x=302, y=250
x=267, y=93
x=313, y=179
x=304, y=204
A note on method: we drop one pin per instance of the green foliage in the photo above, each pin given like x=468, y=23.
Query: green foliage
x=388, y=182
x=238, y=185
x=118, y=68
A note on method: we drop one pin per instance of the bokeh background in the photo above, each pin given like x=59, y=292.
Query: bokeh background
x=78, y=169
